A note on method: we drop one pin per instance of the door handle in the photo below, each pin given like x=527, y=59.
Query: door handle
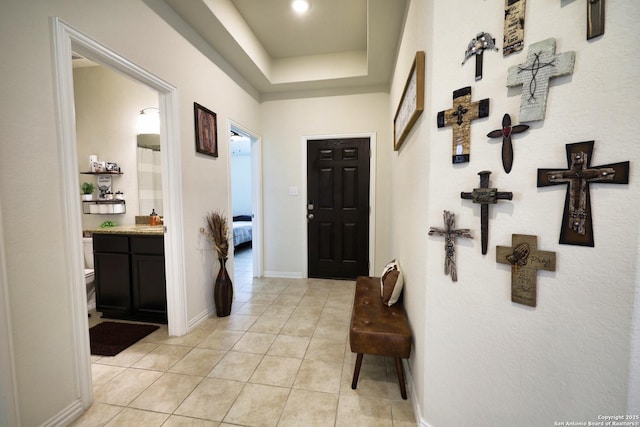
x=310, y=216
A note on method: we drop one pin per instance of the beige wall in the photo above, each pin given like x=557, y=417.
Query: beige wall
x=480, y=359
x=37, y=277
x=285, y=125
x=107, y=107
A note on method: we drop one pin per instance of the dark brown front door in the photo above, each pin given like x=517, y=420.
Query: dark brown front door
x=338, y=207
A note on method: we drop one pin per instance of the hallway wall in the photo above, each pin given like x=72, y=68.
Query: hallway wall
x=479, y=358
x=38, y=282
x=285, y=125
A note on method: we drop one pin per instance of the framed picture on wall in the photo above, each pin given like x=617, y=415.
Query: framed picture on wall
x=411, y=102
x=206, y=130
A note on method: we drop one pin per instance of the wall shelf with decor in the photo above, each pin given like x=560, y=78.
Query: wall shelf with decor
x=103, y=181
x=102, y=173
x=104, y=207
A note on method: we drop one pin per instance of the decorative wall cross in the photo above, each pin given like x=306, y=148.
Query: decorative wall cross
x=525, y=260
x=506, y=132
x=577, y=226
x=541, y=65
x=450, y=234
x=595, y=18
x=460, y=117
x=485, y=196
x=477, y=46
x=513, y=40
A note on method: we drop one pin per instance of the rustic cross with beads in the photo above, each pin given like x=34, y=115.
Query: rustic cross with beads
x=577, y=226
x=450, y=234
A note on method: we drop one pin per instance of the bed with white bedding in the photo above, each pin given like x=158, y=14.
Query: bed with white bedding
x=242, y=230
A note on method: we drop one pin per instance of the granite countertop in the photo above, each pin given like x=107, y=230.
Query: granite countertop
x=155, y=230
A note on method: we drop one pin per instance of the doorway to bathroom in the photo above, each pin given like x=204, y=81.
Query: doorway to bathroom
x=118, y=148
x=66, y=41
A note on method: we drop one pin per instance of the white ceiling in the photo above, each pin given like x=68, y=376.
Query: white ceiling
x=339, y=46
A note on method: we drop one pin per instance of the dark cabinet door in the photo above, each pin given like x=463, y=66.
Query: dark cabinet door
x=149, y=288
x=113, y=283
x=130, y=277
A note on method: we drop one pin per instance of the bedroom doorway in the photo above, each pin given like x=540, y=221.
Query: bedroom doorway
x=245, y=206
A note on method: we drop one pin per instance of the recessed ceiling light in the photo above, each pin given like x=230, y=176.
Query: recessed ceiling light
x=300, y=6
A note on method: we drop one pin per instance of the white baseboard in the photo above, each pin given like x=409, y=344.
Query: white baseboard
x=420, y=422
x=205, y=314
x=66, y=416
x=284, y=274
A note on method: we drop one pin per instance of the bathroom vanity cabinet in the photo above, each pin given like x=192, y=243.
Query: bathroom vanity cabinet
x=130, y=277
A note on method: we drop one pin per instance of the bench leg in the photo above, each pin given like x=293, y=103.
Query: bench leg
x=400, y=369
x=356, y=371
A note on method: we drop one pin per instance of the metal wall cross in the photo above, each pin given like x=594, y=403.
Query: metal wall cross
x=485, y=196
x=525, y=260
x=577, y=226
x=460, y=117
x=506, y=132
x=541, y=65
x=450, y=234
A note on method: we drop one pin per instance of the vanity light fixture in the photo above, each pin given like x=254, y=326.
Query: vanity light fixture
x=300, y=6
x=148, y=121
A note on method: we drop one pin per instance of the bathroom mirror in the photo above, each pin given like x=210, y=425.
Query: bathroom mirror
x=149, y=173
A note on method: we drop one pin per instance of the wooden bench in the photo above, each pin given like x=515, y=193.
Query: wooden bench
x=378, y=329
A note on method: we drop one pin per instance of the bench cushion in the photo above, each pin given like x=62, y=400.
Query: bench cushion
x=376, y=328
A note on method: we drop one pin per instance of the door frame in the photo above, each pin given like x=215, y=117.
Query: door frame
x=256, y=194
x=372, y=194
x=9, y=410
x=65, y=40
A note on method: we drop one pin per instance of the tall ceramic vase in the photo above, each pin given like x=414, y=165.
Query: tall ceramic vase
x=223, y=290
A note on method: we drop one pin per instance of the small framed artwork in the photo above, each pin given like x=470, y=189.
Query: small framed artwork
x=411, y=102
x=112, y=167
x=206, y=130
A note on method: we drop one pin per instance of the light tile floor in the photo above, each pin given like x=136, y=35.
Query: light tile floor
x=281, y=358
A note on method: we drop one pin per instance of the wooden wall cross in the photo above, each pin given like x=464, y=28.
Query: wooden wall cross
x=506, y=132
x=525, y=260
x=450, y=234
x=595, y=18
x=541, y=65
x=460, y=117
x=485, y=196
x=577, y=226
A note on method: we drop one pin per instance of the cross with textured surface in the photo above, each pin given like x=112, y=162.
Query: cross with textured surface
x=450, y=234
x=485, y=196
x=460, y=117
x=525, y=260
x=577, y=226
x=541, y=65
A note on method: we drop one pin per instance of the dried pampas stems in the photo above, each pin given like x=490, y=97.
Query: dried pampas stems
x=218, y=232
